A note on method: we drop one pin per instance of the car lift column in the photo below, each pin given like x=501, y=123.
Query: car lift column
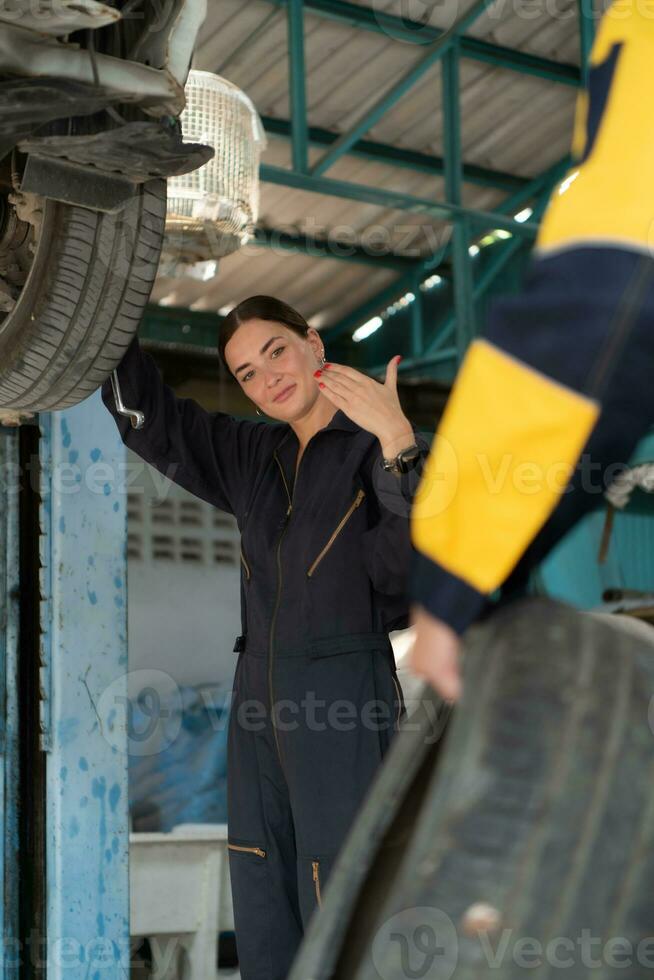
x=84, y=713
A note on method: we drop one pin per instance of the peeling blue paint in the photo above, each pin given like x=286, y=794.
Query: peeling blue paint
x=99, y=790
x=65, y=433
x=67, y=730
x=114, y=796
x=87, y=841
x=118, y=601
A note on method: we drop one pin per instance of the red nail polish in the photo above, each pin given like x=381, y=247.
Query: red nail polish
x=399, y=358
x=328, y=364
x=317, y=374
x=321, y=385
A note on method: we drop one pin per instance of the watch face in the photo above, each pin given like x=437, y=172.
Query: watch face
x=407, y=458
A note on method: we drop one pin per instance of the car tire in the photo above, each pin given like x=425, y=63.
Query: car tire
x=522, y=843
x=85, y=292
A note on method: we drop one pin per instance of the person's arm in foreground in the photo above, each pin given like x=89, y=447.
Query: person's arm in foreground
x=561, y=368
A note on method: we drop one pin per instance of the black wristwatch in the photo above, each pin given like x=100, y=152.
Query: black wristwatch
x=405, y=460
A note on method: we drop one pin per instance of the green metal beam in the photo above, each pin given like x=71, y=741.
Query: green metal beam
x=392, y=200
x=370, y=18
x=397, y=157
x=434, y=52
x=435, y=352
x=372, y=306
x=417, y=320
x=520, y=61
x=464, y=304
x=297, y=86
x=331, y=248
x=179, y=326
x=586, y=36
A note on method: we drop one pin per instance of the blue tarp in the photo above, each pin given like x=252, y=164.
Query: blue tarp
x=181, y=777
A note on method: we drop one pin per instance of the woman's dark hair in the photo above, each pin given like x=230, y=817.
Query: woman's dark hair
x=259, y=308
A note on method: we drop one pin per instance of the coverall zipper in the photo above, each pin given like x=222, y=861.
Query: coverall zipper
x=339, y=527
x=277, y=599
x=316, y=880
x=399, y=701
x=250, y=850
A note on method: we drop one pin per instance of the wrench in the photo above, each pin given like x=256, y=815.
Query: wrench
x=136, y=418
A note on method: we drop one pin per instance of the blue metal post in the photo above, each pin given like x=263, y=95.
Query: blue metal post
x=83, y=487
x=297, y=86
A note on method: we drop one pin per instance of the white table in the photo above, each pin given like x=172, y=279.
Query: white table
x=180, y=898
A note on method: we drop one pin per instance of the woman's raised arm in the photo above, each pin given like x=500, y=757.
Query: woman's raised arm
x=210, y=454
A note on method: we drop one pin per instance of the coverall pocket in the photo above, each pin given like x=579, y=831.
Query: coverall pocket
x=246, y=848
x=313, y=871
x=252, y=896
x=335, y=533
x=400, y=706
x=246, y=567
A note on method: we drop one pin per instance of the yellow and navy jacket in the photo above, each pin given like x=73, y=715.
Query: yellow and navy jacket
x=557, y=390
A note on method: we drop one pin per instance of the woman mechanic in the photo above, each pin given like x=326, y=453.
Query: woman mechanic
x=322, y=496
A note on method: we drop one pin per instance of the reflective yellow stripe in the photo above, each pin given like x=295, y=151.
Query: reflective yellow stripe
x=611, y=201
x=504, y=452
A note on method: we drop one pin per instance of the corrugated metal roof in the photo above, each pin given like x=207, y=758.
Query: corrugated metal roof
x=511, y=122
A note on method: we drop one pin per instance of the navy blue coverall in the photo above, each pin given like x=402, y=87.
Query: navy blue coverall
x=324, y=574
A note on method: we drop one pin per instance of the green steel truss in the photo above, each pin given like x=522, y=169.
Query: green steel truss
x=447, y=48
x=368, y=18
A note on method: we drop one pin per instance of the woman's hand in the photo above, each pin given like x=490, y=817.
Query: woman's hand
x=374, y=406
x=435, y=653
